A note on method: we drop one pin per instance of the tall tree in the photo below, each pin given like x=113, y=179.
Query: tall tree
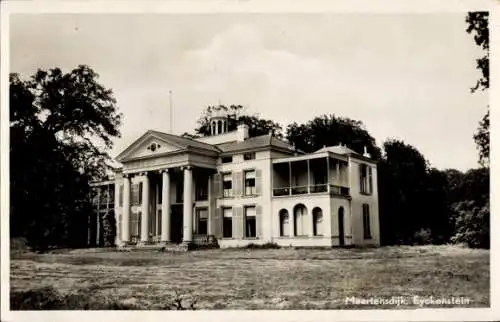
x=402, y=191
x=236, y=115
x=332, y=130
x=477, y=24
x=62, y=125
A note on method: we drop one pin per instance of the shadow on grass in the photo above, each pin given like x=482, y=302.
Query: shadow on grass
x=48, y=298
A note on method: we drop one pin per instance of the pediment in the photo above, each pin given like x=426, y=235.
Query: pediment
x=147, y=145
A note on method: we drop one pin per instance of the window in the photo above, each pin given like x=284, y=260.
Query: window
x=179, y=192
x=158, y=225
x=135, y=224
x=202, y=189
x=202, y=221
x=365, y=178
x=250, y=222
x=159, y=194
x=137, y=193
x=227, y=184
x=227, y=159
x=249, y=156
x=366, y=222
x=227, y=222
x=250, y=183
x=317, y=221
x=284, y=222
x=300, y=214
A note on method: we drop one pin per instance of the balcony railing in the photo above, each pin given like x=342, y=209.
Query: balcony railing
x=311, y=189
x=338, y=190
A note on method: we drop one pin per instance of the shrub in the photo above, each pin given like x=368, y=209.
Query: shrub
x=422, y=237
x=262, y=246
x=472, y=224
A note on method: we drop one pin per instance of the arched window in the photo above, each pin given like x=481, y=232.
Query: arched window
x=300, y=220
x=284, y=223
x=317, y=221
x=219, y=127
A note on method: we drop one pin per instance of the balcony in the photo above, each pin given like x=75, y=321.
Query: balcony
x=311, y=189
x=307, y=176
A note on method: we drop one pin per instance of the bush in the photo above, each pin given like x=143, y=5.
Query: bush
x=262, y=246
x=422, y=237
x=472, y=224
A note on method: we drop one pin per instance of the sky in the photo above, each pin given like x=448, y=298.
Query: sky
x=405, y=76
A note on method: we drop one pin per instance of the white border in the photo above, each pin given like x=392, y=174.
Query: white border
x=247, y=6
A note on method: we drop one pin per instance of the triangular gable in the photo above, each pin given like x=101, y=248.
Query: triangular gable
x=149, y=144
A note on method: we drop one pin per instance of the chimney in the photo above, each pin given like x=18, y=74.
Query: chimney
x=366, y=154
x=242, y=134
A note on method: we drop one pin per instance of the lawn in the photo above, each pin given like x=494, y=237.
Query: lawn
x=262, y=278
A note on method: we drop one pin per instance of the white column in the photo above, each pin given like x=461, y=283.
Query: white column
x=210, y=209
x=145, y=209
x=188, y=205
x=291, y=223
x=165, y=207
x=126, y=209
x=310, y=216
x=117, y=211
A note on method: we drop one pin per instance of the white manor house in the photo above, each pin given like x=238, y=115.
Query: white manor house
x=238, y=190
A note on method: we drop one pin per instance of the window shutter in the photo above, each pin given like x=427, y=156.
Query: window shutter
x=237, y=223
x=217, y=185
x=361, y=189
x=237, y=183
x=258, y=182
x=217, y=223
x=370, y=180
x=258, y=221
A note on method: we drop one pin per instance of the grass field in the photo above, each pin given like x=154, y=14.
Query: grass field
x=262, y=278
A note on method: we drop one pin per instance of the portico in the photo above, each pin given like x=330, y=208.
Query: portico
x=158, y=194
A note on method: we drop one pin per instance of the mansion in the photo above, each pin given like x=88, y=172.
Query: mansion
x=238, y=190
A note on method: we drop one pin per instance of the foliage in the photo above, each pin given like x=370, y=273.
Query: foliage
x=263, y=246
x=332, y=130
x=472, y=224
x=402, y=188
x=482, y=139
x=422, y=237
x=62, y=125
x=477, y=24
x=235, y=115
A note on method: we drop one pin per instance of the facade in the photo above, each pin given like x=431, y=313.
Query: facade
x=241, y=190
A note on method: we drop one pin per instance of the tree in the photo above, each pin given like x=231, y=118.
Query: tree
x=472, y=224
x=235, y=115
x=402, y=187
x=332, y=130
x=477, y=24
x=62, y=127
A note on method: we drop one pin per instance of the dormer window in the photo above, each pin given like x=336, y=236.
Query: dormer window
x=153, y=147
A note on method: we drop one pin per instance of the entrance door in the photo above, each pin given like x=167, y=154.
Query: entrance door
x=341, y=227
x=176, y=224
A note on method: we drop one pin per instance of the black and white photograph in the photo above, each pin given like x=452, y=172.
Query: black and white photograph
x=213, y=160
